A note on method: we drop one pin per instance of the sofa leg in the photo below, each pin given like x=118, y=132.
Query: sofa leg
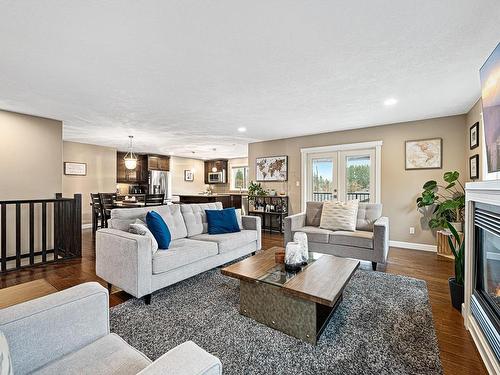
x=147, y=299
x=109, y=287
x=374, y=266
x=253, y=253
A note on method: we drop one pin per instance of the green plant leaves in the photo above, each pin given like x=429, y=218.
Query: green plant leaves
x=430, y=185
x=450, y=177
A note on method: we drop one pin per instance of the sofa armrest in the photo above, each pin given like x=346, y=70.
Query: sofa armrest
x=125, y=260
x=381, y=238
x=253, y=223
x=45, y=329
x=293, y=223
x=185, y=359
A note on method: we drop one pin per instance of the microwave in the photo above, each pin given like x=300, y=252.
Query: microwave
x=216, y=177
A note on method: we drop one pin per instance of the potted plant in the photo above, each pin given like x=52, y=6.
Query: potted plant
x=448, y=201
x=457, y=246
x=255, y=190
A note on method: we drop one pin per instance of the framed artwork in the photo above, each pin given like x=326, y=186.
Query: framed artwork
x=75, y=169
x=424, y=154
x=474, y=136
x=188, y=175
x=272, y=168
x=474, y=167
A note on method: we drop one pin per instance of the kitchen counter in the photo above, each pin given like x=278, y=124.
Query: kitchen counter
x=227, y=199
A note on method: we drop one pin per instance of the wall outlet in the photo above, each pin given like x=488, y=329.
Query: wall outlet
x=412, y=230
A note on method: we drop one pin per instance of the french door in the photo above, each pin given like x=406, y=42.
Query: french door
x=341, y=175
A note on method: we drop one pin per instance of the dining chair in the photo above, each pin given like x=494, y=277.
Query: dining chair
x=154, y=199
x=107, y=201
x=95, y=202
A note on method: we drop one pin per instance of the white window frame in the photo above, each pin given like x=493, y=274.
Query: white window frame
x=231, y=186
x=306, y=152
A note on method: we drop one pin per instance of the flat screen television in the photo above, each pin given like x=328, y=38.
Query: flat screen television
x=490, y=93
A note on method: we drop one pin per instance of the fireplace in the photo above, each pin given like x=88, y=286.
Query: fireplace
x=485, y=299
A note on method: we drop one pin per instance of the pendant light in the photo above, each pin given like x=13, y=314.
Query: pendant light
x=130, y=158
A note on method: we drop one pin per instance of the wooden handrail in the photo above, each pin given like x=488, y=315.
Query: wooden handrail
x=65, y=227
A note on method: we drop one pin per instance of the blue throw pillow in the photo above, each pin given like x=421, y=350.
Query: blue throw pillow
x=222, y=221
x=159, y=228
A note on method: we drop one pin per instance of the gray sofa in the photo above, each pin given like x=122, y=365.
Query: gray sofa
x=370, y=240
x=125, y=260
x=68, y=333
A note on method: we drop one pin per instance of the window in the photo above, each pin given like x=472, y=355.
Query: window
x=342, y=172
x=239, y=178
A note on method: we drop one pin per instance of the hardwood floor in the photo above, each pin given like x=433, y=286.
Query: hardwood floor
x=458, y=353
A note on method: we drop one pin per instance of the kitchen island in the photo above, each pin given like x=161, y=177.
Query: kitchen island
x=227, y=200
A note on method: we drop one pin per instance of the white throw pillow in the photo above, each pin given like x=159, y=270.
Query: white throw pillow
x=5, y=360
x=339, y=215
x=238, y=218
x=140, y=227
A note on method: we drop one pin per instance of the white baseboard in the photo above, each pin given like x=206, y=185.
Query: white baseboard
x=86, y=226
x=413, y=246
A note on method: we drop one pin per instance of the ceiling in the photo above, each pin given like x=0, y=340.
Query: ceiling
x=182, y=76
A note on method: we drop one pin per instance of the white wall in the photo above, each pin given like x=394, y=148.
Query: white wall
x=177, y=167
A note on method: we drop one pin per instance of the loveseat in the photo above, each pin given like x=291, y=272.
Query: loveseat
x=370, y=240
x=127, y=261
x=68, y=333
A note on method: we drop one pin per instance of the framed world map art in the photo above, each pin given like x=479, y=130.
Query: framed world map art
x=424, y=154
x=271, y=168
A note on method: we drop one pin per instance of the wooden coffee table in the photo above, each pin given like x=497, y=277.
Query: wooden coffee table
x=298, y=304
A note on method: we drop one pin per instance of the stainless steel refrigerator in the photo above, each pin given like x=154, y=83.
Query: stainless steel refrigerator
x=159, y=183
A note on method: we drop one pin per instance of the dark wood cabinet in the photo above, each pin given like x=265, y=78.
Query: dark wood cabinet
x=158, y=163
x=213, y=166
x=139, y=175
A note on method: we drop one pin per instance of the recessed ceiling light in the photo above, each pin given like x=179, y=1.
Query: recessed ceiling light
x=390, y=101
x=242, y=129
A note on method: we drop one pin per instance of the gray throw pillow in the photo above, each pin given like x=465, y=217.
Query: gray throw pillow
x=140, y=228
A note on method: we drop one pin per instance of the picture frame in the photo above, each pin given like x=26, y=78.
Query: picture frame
x=474, y=167
x=474, y=136
x=72, y=168
x=188, y=175
x=424, y=154
x=271, y=168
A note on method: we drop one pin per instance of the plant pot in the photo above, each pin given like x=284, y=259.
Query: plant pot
x=457, y=225
x=456, y=294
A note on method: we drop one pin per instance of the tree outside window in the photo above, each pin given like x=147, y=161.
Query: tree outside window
x=239, y=178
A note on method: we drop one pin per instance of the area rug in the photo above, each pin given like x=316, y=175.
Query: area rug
x=383, y=326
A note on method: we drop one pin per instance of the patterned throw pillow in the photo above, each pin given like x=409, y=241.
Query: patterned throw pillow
x=5, y=361
x=140, y=227
x=339, y=215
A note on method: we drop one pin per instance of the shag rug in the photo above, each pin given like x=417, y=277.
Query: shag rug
x=383, y=326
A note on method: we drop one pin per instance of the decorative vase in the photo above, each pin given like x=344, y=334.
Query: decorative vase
x=301, y=238
x=279, y=256
x=456, y=294
x=293, y=256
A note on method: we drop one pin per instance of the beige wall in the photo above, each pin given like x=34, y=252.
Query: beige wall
x=30, y=168
x=31, y=156
x=101, y=173
x=177, y=167
x=399, y=187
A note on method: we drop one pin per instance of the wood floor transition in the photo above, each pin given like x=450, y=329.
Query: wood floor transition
x=458, y=353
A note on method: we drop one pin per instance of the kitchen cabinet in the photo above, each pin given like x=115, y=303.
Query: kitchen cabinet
x=139, y=175
x=219, y=165
x=158, y=163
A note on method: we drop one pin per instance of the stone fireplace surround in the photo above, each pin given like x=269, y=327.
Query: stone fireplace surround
x=484, y=192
